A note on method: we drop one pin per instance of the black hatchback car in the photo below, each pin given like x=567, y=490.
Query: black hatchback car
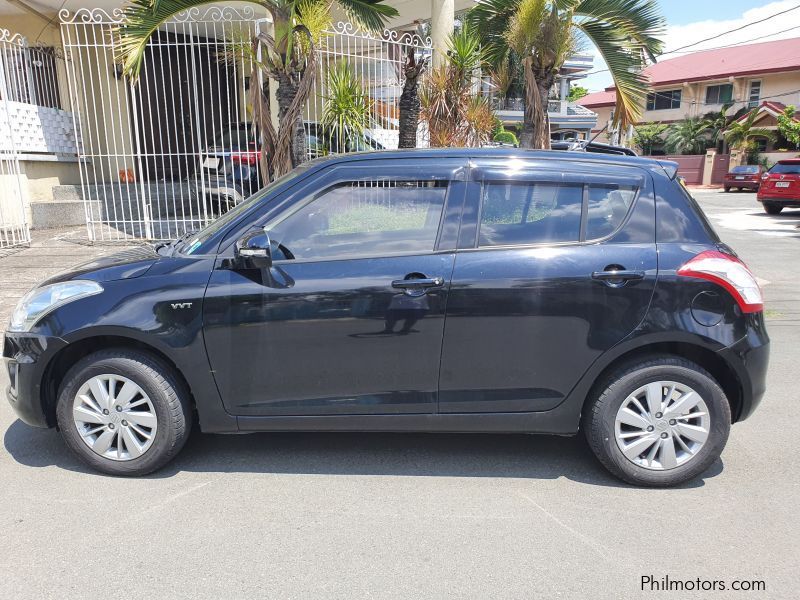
x=436, y=290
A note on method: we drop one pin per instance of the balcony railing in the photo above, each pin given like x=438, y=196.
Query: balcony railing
x=554, y=107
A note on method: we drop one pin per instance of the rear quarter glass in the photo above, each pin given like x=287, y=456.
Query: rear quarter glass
x=678, y=216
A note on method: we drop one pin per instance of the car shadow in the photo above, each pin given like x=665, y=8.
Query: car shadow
x=401, y=454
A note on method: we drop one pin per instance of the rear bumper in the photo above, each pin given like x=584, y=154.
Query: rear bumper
x=744, y=185
x=26, y=357
x=749, y=358
x=780, y=200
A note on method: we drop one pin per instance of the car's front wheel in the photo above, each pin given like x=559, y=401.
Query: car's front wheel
x=659, y=422
x=123, y=412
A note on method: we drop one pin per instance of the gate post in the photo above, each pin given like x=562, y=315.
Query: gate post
x=708, y=165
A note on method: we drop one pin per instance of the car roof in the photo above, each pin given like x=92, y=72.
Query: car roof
x=789, y=161
x=668, y=167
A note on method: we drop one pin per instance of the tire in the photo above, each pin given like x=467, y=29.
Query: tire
x=599, y=422
x=727, y=189
x=772, y=209
x=162, y=410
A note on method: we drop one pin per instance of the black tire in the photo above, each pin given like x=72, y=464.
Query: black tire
x=599, y=418
x=168, y=396
x=772, y=209
x=727, y=189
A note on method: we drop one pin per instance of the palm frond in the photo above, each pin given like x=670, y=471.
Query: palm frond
x=371, y=14
x=624, y=64
x=491, y=19
x=141, y=19
x=638, y=20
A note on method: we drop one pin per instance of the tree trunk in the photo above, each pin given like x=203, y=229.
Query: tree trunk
x=409, y=101
x=287, y=90
x=535, y=123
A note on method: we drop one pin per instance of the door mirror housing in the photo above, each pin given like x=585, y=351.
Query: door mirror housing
x=254, y=250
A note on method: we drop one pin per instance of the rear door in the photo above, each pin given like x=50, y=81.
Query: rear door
x=533, y=302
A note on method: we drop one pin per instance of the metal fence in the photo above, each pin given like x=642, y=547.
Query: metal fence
x=168, y=154
x=14, y=229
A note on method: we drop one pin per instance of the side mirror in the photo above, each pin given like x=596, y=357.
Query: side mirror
x=254, y=250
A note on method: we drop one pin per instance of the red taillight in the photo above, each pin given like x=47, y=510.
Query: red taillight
x=765, y=176
x=245, y=158
x=729, y=272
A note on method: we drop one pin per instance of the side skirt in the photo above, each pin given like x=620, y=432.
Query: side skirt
x=549, y=422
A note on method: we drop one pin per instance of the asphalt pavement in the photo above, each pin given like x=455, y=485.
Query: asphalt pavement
x=414, y=515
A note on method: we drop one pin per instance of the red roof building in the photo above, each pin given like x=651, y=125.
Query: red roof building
x=702, y=82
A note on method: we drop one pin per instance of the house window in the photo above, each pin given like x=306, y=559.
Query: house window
x=719, y=94
x=664, y=100
x=755, y=94
x=761, y=144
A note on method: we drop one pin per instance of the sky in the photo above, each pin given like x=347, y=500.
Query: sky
x=692, y=20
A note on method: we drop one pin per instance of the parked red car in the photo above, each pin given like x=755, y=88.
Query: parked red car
x=780, y=186
x=744, y=177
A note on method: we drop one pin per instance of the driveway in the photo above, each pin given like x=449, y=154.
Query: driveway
x=411, y=516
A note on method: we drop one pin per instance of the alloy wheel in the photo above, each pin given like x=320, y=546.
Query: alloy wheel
x=115, y=417
x=662, y=425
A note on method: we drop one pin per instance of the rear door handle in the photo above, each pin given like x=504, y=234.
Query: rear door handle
x=613, y=274
x=418, y=284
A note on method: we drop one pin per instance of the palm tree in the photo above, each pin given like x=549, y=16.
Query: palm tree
x=689, y=136
x=348, y=107
x=717, y=123
x=288, y=57
x=455, y=116
x=741, y=134
x=409, y=99
x=543, y=33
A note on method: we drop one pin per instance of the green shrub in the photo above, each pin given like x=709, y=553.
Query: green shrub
x=506, y=137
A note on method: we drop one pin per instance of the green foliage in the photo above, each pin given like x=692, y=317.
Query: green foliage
x=689, y=136
x=576, y=92
x=741, y=134
x=647, y=135
x=348, y=108
x=625, y=32
x=506, y=137
x=788, y=127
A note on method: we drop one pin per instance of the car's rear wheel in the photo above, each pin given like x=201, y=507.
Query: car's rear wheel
x=123, y=412
x=659, y=422
x=772, y=209
x=727, y=189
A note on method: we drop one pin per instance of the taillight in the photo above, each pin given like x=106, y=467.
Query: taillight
x=245, y=158
x=729, y=272
x=765, y=176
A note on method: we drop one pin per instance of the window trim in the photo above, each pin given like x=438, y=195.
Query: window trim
x=750, y=102
x=719, y=87
x=582, y=241
x=656, y=93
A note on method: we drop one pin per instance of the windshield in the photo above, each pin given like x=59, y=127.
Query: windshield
x=191, y=245
x=745, y=170
x=786, y=168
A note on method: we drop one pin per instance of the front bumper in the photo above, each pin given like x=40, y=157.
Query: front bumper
x=26, y=357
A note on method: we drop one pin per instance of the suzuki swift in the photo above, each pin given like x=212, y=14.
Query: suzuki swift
x=497, y=291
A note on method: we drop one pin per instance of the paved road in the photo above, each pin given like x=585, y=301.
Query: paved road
x=412, y=516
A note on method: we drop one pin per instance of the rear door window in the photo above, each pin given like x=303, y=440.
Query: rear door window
x=547, y=212
x=530, y=213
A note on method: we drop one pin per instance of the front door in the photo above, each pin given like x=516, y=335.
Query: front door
x=532, y=303
x=350, y=318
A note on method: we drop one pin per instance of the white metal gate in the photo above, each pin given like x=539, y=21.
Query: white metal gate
x=169, y=154
x=14, y=229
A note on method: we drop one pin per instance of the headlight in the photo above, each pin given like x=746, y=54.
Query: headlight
x=41, y=300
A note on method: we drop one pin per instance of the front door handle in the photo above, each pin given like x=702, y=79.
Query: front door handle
x=617, y=277
x=418, y=284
